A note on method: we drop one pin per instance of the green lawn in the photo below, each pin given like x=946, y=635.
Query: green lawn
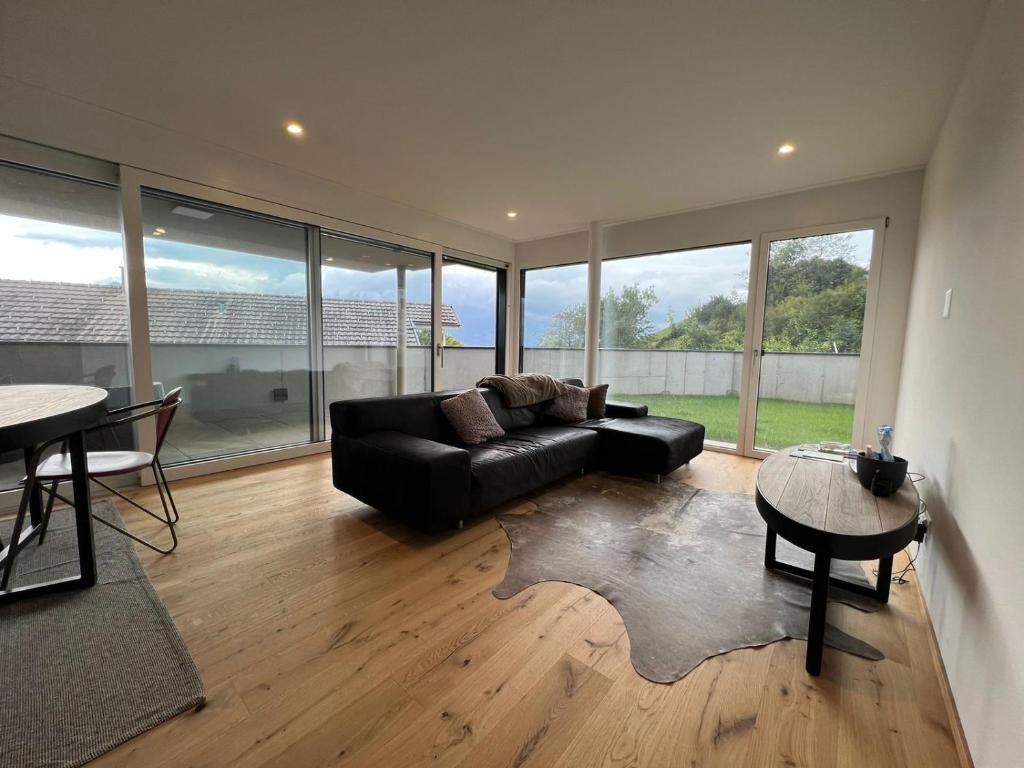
x=780, y=423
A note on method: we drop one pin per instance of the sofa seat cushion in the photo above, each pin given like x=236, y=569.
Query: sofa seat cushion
x=525, y=459
x=649, y=445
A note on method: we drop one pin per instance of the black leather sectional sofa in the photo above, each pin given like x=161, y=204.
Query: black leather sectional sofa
x=400, y=455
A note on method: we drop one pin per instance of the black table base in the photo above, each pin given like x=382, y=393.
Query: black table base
x=83, y=525
x=821, y=580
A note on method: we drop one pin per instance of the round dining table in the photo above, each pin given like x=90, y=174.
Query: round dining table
x=32, y=418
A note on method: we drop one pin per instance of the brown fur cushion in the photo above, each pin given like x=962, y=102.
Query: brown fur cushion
x=570, y=406
x=597, y=401
x=471, y=418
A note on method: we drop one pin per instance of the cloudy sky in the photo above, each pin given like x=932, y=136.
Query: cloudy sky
x=35, y=250
x=680, y=280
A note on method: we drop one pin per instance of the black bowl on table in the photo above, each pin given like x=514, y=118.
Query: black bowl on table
x=882, y=478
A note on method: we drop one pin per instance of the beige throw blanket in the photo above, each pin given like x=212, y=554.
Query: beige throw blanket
x=524, y=388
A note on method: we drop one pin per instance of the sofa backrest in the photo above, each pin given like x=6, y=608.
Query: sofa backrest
x=510, y=418
x=420, y=414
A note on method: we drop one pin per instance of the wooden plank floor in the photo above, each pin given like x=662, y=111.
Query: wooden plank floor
x=329, y=635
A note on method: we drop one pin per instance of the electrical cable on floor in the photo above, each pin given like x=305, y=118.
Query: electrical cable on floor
x=900, y=577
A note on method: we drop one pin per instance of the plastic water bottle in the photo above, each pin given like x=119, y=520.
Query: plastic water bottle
x=885, y=442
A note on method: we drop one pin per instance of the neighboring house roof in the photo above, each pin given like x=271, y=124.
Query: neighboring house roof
x=33, y=311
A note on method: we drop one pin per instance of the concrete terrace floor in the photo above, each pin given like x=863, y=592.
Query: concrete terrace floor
x=205, y=435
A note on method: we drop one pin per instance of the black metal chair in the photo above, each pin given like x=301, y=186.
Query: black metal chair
x=57, y=468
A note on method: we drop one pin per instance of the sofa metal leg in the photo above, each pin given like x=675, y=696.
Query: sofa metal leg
x=460, y=524
x=657, y=479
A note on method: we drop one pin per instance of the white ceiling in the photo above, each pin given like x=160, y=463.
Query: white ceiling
x=564, y=111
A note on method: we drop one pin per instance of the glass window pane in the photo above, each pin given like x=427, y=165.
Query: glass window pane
x=377, y=301
x=672, y=334
x=63, y=313
x=813, y=323
x=470, y=296
x=229, y=323
x=554, y=312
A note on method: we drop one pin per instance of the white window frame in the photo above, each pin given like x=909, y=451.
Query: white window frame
x=755, y=325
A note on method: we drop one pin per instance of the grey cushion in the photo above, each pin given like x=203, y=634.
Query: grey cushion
x=470, y=417
x=569, y=407
x=596, y=404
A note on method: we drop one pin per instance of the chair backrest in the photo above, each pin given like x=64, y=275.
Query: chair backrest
x=164, y=416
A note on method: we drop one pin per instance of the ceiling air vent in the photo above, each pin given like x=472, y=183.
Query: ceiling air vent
x=193, y=213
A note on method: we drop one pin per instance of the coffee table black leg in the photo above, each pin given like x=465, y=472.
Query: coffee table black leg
x=884, y=579
x=35, y=499
x=769, y=550
x=819, y=608
x=83, y=510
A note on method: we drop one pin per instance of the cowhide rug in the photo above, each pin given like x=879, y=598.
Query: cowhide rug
x=683, y=567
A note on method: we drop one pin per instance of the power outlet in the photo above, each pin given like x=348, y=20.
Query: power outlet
x=947, y=304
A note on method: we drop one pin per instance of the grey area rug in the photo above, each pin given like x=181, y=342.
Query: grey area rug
x=86, y=670
x=683, y=567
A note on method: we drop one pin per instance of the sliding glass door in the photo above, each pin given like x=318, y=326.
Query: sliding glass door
x=63, y=308
x=229, y=323
x=672, y=334
x=764, y=351
x=473, y=317
x=377, y=318
x=808, y=341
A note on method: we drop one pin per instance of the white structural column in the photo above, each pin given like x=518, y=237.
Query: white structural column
x=438, y=335
x=138, y=303
x=595, y=253
x=403, y=324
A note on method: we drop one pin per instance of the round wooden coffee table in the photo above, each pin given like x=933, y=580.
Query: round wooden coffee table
x=821, y=507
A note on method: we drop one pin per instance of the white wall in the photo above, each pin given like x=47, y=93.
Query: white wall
x=960, y=417
x=897, y=196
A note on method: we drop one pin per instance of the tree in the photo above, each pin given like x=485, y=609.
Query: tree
x=424, y=337
x=625, y=320
x=816, y=296
x=567, y=328
x=717, y=324
x=625, y=317
x=815, y=303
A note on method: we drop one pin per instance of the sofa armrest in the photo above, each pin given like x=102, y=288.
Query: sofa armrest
x=619, y=410
x=422, y=481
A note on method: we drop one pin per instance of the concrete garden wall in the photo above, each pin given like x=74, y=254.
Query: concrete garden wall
x=803, y=377
x=219, y=377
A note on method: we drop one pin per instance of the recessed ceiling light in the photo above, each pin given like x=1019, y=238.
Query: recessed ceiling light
x=787, y=149
x=511, y=214
x=159, y=231
x=295, y=129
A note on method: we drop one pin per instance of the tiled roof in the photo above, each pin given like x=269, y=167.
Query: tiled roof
x=97, y=314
